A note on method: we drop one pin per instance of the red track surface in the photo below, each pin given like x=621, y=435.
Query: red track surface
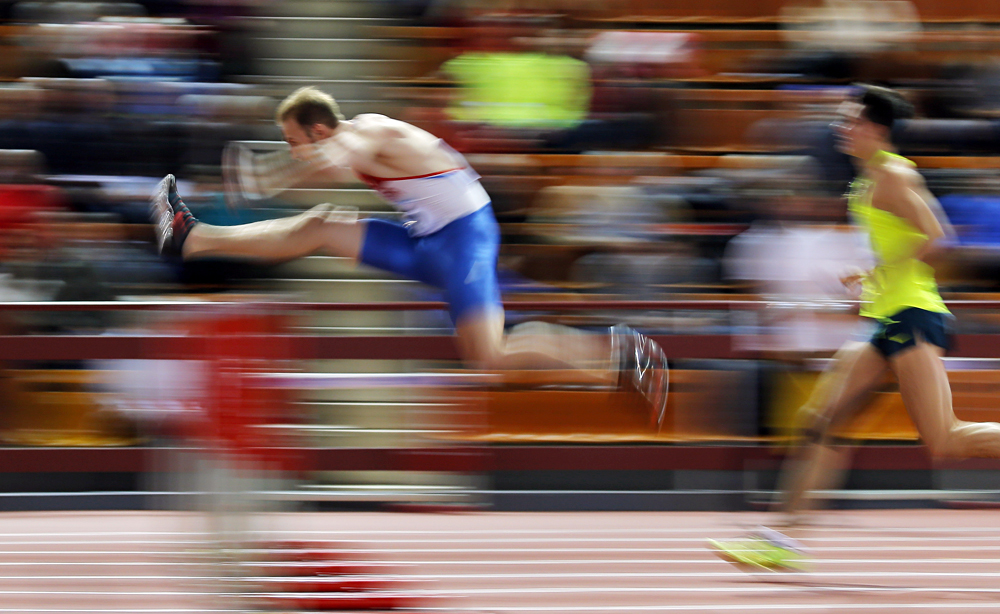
x=869, y=561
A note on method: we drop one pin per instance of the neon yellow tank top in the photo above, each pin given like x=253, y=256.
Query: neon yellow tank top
x=899, y=281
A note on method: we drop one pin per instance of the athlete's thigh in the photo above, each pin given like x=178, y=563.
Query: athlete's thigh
x=462, y=260
x=857, y=369
x=924, y=386
x=388, y=246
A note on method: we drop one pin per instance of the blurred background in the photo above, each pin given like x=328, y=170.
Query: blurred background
x=633, y=150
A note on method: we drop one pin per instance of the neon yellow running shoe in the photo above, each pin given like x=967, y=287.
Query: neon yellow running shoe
x=766, y=549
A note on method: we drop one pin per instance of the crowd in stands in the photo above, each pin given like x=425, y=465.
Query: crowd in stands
x=101, y=99
x=116, y=94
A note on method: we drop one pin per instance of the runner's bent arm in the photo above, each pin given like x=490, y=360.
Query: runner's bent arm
x=901, y=191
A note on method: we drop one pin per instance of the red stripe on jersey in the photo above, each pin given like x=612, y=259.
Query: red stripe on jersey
x=373, y=180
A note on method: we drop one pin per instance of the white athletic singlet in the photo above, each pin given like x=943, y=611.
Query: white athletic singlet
x=430, y=202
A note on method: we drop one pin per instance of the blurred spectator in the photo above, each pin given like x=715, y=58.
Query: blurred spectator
x=231, y=44
x=811, y=134
x=619, y=231
x=850, y=25
x=213, y=120
x=796, y=264
x=840, y=41
x=523, y=86
x=509, y=93
x=39, y=254
x=664, y=267
x=628, y=109
x=598, y=216
x=121, y=74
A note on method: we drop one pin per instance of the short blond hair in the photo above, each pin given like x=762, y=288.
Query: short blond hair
x=309, y=106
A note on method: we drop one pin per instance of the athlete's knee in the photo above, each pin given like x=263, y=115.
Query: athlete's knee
x=946, y=443
x=484, y=354
x=314, y=218
x=941, y=446
x=813, y=426
x=481, y=349
x=481, y=338
x=317, y=227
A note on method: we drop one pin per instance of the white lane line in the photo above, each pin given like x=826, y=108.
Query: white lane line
x=106, y=563
x=439, y=576
x=114, y=593
x=798, y=607
x=559, y=563
x=709, y=560
x=708, y=574
x=180, y=561
x=341, y=544
x=319, y=533
x=578, y=575
x=814, y=550
x=102, y=578
x=500, y=551
x=359, y=555
x=777, y=589
x=581, y=538
x=116, y=542
x=770, y=607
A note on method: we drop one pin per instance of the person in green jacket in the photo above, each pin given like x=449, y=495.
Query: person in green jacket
x=907, y=229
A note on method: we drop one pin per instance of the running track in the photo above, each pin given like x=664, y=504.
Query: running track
x=867, y=561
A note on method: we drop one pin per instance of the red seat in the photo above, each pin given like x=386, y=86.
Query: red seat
x=18, y=203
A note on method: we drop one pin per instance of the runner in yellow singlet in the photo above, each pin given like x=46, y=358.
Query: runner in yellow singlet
x=906, y=226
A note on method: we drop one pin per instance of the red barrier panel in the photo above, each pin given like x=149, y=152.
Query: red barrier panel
x=674, y=457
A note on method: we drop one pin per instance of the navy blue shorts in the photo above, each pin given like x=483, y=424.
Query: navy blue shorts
x=460, y=259
x=903, y=329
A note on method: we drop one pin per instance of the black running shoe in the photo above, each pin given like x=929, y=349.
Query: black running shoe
x=642, y=368
x=172, y=218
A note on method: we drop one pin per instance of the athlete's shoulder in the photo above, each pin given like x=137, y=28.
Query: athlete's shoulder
x=383, y=126
x=370, y=122
x=371, y=118
x=898, y=171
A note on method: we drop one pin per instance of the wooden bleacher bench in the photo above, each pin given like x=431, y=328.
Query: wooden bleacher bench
x=421, y=33
x=59, y=407
x=934, y=11
x=974, y=397
x=603, y=415
x=957, y=161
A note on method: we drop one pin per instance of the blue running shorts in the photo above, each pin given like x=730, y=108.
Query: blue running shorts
x=460, y=259
x=905, y=328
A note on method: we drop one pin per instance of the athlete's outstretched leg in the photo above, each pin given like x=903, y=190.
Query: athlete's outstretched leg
x=923, y=383
x=815, y=464
x=318, y=230
x=534, y=345
x=839, y=394
x=623, y=358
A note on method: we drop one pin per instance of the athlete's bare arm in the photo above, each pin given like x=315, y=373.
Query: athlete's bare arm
x=901, y=190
